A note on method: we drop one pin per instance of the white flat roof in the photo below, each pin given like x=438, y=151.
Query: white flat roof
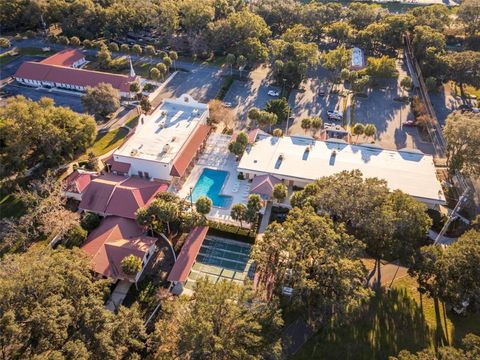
x=410, y=171
x=161, y=135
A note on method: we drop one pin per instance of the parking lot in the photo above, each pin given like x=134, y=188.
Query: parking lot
x=444, y=102
x=307, y=102
x=72, y=101
x=202, y=83
x=252, y=91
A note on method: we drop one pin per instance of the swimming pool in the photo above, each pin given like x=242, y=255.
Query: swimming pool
x=210, y=184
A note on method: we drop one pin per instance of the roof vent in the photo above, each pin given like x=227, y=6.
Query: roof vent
x=334, y=152
x=166, y=148
x=195, y=112
x=134, y=152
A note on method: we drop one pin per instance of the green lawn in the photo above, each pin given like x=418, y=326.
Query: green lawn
x=7, y=56
x=108, y=141
x=133, y=122
x=392, y=321
x=10, y=206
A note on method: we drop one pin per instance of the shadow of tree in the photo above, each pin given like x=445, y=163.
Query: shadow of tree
x=390, y=322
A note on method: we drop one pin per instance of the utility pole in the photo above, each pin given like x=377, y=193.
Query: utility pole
x=451, y=217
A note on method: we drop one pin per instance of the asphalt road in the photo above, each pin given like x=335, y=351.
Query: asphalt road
x=72, y=101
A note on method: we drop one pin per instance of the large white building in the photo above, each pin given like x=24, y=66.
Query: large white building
x=299, y=160
x=166, y=142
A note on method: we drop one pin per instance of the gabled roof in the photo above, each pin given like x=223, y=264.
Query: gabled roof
x=72, y=76
x=66, y=57
x=118, y=195
x=113, y=240
x=189, y=150
x=118, y=166
x=264, y=184
x=188, y=254
x=78, y=180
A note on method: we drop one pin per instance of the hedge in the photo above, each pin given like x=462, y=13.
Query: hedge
x=230, y=231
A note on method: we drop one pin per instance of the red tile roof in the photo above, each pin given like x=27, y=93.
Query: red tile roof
x=72, y=76
x=118, y=166
x=120, y=196
x=251, y=135
x=113, y=240
x=78, y=180
x=65, y=57
x=187, y=255
x=189, y=150
x=264, y=184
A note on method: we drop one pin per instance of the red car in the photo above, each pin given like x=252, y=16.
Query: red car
x=409, y=123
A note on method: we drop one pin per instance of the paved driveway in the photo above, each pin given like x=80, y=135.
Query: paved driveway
x=72, y=101
x=444, y=102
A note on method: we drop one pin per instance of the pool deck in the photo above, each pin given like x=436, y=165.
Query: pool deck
x=217, y=156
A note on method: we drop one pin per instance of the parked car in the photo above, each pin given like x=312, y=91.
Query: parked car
x=475, y=110
x=228, y=104
x=335, y=115
x=322, y=93
x=409, y=123
x=464, y=107
x=273, y=93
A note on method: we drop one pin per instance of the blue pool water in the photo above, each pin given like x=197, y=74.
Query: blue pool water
x=210, y=184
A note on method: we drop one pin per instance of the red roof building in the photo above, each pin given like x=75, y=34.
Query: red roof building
x=60, y=70
x=67, y=57
x=119, y=196
x=77, y=182
x=263, y=185
x=113, y=240
x=190, y=150
x=188, y=254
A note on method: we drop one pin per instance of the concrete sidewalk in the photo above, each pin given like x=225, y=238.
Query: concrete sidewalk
x=118, y=295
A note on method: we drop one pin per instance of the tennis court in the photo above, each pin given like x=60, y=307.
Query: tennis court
x=221, y=259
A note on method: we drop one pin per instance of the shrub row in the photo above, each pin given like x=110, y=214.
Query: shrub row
x=231, y=231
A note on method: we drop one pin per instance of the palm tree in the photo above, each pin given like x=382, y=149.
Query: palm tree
x=174, y=56
x=358, y=130
x=230, y=59
x=306, y=124
x=167, y=212
x=370, y=130
x=238, y=213
x=162, y=69
x=203, y=205
x=241, y=62
x=316, y=124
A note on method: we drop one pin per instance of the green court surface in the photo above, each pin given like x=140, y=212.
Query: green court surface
x=221, y=259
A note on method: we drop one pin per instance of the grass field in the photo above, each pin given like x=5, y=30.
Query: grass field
x=398, y=319
x=10, y=206
x=108, y=141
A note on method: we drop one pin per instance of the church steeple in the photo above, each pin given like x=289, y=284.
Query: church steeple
x=132, y=71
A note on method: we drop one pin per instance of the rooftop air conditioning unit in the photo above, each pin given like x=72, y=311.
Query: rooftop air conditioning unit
x=166, y=148
x=195, y=112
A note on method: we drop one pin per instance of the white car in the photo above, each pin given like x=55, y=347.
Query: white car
x=228, y=104
x=336, y=115
x=274, y=93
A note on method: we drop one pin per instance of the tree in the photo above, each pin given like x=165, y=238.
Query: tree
x=149, y=50
x=238, y=146
x=167, y=61
x=316, y=123
x=336, y=60
x=154, y=73
x=49, y=316
x=75, y=41
x=101, y=100
x=277, y=132
x=238, y=212
x=280, y=192
x=220, y=113
x=131, y=265
x=306, y=124
x=90, y=221
x=39, y=132
x=341, y=31
x=254, y=114
x=145, y=104
x=241, y=62
x=370, y=130
x=219, y=321
x=203, y=205
x=104, y=58
x=254, y=204
x=462, y=134
x=230, y=60
x=62, y=40
x=113, y=47
x=124, y=48
x=137, y=49
x=87, y=43
x=74, y=237
x=358, y=130
x=134, y=87
x=278, y=107
x=464, y=68
x=174, y=56
x=317, y=259
x=406, y=83
x=4, y=43
x=381, y=68
x=431, y=83
x=163, y=69
x=468, y=14
x=436, y=16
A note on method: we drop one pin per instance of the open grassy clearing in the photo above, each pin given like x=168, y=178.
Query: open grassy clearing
x=394, y=320
x=10, y=206
x=107, y=141
x=8, y=56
